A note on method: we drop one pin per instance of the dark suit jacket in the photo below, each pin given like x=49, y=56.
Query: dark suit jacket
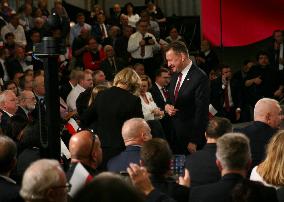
x=202, y=166
x=157, y=96
x=190, y=121
x=96, y=32
x=259, y=135
x=4, y=121
x=109, y=70
x=13, y=66
x=217, y=95
x=170, y=188
x=9, y=192
x=211, y=62
x=112, y=108
x=120, y=162
x=22, y=113
x=221, y=190
x=65, y=90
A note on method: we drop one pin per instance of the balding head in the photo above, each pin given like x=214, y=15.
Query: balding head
x=135, y=131
x=268, y=111
x=38, y=85
x=86, y=148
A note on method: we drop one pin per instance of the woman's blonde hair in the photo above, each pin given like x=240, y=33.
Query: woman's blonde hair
x=96, y=90
x=130, y=78
x=146, y=78
x=272, y=168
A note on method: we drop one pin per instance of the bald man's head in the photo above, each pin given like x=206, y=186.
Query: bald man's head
x=86, y=148
x=268, y=111
x=135, y=131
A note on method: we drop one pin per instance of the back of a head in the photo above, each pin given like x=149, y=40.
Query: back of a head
x=156, y=155
x=8, y=152
x=233, y=151
x=262, y=107
x=131, y=128
x=39, y=177
x=129, y=77
x=108, y=187
x=217, y=127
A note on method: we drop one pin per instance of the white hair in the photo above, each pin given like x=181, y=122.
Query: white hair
x=132, y=127
x=38, y=178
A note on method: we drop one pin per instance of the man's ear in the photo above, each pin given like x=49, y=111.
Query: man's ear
x=219, y=165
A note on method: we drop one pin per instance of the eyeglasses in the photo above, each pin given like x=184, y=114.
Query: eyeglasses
x=93, y=139
x=67, y=186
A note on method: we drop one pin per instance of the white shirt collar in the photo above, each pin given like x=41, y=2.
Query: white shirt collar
x=10, y=115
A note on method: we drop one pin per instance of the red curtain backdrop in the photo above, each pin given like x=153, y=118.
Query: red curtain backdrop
x=243, y=21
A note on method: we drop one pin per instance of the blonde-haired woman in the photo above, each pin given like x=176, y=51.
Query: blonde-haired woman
x=271, y=171
x=112, y=107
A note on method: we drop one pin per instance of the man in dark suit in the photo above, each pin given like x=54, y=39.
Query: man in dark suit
x=112, y=64
x=226, y=95
x=135, y=132
x=8, y=152
x=207, y=59
x=27, y=102
x=100, y=29
x=8, y=107
x=202, y=164
x=267, y=119
x=233, y=160
x=189, y=99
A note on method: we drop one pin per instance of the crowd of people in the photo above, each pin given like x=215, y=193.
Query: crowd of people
x=135, y=107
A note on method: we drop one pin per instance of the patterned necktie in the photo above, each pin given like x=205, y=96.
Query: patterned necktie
x=178, y=85
x=165, y=93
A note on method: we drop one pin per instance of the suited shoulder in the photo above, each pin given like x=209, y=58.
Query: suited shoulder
x=198, y=71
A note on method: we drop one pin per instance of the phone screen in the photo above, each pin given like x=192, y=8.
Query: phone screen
x=177, y=165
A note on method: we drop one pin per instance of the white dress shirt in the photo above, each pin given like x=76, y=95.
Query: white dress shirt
x=135, y=49
x=72, y=97
x=20, y=37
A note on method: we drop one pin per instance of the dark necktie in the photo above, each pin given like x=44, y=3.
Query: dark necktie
x=142, y=53
x=226, y=98
x=165, y=93
x=178, y=85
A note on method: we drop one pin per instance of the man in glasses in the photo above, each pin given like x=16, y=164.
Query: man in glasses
x=44, y=180
x=85, y=148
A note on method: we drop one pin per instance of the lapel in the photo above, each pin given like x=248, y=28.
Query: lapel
x=188, y=80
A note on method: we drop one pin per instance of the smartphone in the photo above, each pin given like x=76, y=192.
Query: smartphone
x=177, y=165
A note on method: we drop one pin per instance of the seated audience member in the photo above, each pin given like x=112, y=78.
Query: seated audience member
x=123, y=21
x=263, y=81
x=155, y=12
x=174, y=36
x=99, y=77
x=134, y=132
x=44, y=181
x=10, y=43
x=14, y=27
x=233, y=160
x=121, y=43
x=270, y=172
x=113, y=33
x=109, y=114
x=15, y=128
x=95, y=54
x=8, y=159
x=226, y=95
x=30, y=149
x=95, y=11
x=66, y=88
x=12, y=85
x=202, y=164
x=3, y=70
x=100, y=29
x=39, y=92
x=149, y=107
x=85, y=81
x=139, y=69
x=85, y=148
x=267, y=119
x=34, y=39
x=108, y=187
x=239, y=78
x=276, y=51
x=115, y=14
x=27, y=102
x=8, y=107
x=17, y=63
x=207, y=59
x=132, y=16
x=79, y=46
x=153, y=25
x=112, y=64
x=155, y=157
x=25, y=17
x=76, y=29
x=26, y=82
